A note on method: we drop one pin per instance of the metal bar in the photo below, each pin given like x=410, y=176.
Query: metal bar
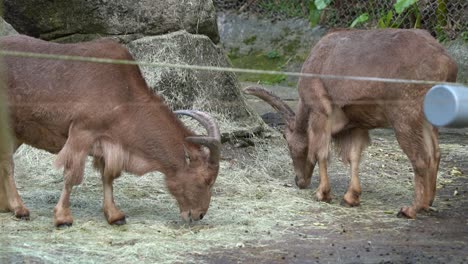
x=447, y=106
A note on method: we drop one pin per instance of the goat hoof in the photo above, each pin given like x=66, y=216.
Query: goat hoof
x=119, y=222
x=64, y=225
x=349, y=204
x=323, y=197
x=24, y=217
x=407, y=212
x=22, y=214
x=326, y=199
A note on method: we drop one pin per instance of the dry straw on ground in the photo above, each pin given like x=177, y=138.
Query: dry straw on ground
x=255, y=203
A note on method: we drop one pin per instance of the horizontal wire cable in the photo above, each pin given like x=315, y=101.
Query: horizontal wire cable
x=213, y=68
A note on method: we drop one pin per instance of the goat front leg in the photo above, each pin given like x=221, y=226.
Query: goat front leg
x=351, y=144
x=323, y=190
x=113, y=215
x=319, y=144
x=72, y=158
x=352, y=196
x=9, y=196
x=62, y=212
x=73, y=175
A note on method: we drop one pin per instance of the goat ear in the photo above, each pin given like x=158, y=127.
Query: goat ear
x=187, y=156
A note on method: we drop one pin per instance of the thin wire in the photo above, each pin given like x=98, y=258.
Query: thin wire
x=213, y=68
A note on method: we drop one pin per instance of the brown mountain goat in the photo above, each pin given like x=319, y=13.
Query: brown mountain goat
x=344, y=111
x=107, y=111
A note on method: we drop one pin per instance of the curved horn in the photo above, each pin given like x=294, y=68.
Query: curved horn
x=273, y=100
x=213, y=140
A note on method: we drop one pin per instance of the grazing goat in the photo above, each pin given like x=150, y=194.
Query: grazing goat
x=107, y=111
x=345, y=110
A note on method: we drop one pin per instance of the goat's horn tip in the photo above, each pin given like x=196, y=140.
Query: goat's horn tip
x=250, y=89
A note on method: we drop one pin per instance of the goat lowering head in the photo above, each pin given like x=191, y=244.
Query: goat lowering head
x=344, y=111
x=194, y=195
x=296, y=139
x=75, y=109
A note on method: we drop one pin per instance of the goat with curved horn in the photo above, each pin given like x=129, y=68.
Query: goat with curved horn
x=133, y=131
x=213, y=140
x=344, y=111
x=272, y=100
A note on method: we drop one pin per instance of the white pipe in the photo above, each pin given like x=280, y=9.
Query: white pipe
x=447, y=106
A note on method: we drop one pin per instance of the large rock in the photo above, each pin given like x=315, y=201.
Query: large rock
x=458, y=49
x=216, y=92
x=6, y=29
x=78, y=20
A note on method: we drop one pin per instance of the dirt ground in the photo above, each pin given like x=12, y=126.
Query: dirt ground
x=439, y=236
x=257, y=215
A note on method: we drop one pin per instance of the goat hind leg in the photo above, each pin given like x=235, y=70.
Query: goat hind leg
x=113, y=215
x=418, y=144
x=434, y=163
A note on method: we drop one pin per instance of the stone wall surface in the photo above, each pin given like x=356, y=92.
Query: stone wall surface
x=77, y=20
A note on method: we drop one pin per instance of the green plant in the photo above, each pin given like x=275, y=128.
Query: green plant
x=250, y=40
x=273, y=54
x=464, y=35
x=387, y=19
x=290, y=8
x=360, y=19
x=441, y=14
x=315, y=10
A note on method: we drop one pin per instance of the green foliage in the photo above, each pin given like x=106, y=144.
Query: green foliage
x=315, y=10
x=291, y=8
x=441, y=14
x=250, y=40
x=360, y=19
x=273, y=54
x=321, y=4
x=464, y=35
x=271, y=60
x=386, y=21
x=401, y=5
x=387, y=18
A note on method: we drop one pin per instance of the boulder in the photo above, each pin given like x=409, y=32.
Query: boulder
x=458, y=49
x=79, y=20
x=6, y=29
x=216, y=92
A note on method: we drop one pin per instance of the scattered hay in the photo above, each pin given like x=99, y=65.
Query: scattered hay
x=254, y=203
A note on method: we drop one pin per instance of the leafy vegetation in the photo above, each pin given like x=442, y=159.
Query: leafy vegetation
x=315, y=10
x=465, y=35
x=291, y=8
x=387, y=19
